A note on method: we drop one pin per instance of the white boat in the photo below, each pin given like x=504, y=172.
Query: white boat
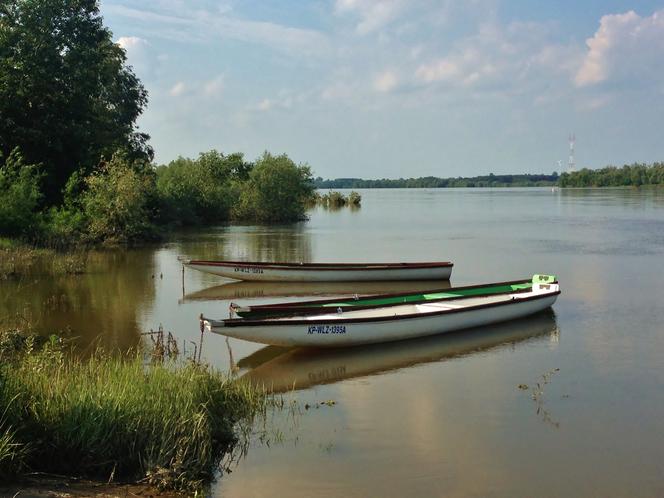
x=388, y=323
x=323, y=272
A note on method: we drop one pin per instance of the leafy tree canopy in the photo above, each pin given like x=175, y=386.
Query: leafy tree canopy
x=277, y=191
x=67, y=96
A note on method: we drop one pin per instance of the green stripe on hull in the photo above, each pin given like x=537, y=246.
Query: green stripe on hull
x=493, y=289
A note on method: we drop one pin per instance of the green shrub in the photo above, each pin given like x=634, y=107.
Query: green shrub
x=66, y=224
x=354, y=199
x=118, y=202
x=336, y=200
x=201, y=190
x=19, y=195
x=278, y=190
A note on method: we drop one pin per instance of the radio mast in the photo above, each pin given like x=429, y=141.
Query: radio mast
x=571, y=165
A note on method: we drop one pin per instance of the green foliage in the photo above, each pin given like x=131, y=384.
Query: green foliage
x=277, y=190
x=67, y=96
x=336, y=200
x=62, y=227
x=202, y=190
x=354, y=199
x=119, y=200
x=611, y=176
x=19, y=195
x=113, y=416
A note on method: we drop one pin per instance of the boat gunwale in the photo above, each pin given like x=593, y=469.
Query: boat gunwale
x=290, y=312
x=242, y=322
x=322, y=266
x=299, y=304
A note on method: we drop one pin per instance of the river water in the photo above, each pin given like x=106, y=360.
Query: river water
x=442, y=416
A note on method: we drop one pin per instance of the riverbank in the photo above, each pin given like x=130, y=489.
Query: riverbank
x=116, y=418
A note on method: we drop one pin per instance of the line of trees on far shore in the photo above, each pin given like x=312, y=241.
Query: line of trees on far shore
x=490, y=180
x=633, y=175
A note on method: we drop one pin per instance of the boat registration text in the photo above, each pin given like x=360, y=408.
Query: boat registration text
x=248, y=269
x=326, y=329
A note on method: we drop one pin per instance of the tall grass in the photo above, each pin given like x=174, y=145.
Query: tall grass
x=113, y=417
x=18, y=261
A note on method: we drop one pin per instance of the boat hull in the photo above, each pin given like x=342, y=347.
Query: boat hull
x=328, y=332
x=323, y=273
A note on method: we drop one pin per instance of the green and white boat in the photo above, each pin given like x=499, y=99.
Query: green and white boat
x=392, y=321
x=344, y=304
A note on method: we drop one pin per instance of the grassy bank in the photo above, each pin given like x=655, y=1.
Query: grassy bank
x=20, y=260
x=114, y=418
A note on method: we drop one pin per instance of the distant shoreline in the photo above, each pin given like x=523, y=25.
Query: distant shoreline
x=491, y=180
x=629, y=175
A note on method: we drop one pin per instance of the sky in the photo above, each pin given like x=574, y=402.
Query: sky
x=400, y=88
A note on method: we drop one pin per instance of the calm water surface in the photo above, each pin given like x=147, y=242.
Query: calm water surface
x=442, y=416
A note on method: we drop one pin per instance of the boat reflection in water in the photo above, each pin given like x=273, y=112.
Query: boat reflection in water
x=284, y=369
x=239, y=290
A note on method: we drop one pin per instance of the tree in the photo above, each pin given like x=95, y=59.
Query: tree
x=194, y=191
x=118, y=201
x=278, y=190
x=19, y=194
x=67, y=96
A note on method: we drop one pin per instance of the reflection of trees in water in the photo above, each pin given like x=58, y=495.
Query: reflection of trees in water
x=642, y=197
x=290, y=243
x=98, y=307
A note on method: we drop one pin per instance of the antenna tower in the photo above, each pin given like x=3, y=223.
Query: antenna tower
x=571, y=165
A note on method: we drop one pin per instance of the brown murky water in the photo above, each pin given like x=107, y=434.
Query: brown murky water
x=443, y=416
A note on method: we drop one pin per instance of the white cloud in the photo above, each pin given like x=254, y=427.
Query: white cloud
x=625, y=46
x=385, y=81
x=180, y=22
x=283, y=101
x=439, y=70
x=508, y=58
x=373, y=14
x=474, y=63
x=132, y=42
x=264, y=105
x=214, y=87
x=178, y=89
x=138, y=54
